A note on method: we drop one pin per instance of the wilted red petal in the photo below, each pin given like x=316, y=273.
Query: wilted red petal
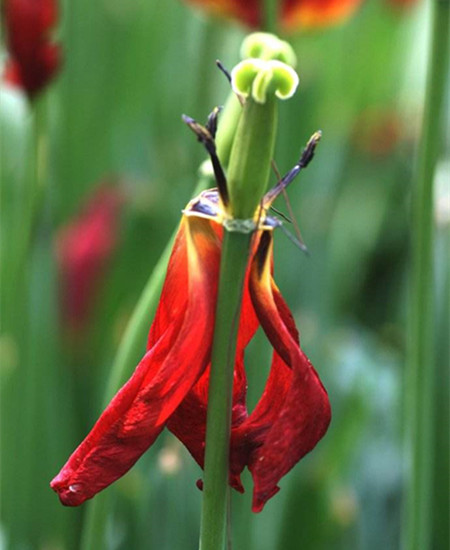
x=34, y=58
x=83, y=249
x=250, y=434
x=181, y=338
x=294, y=14
x=188, y=423
x=294, y=412
x=170, y=385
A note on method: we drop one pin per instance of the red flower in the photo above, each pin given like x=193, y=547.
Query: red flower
x=293, y=13
x=83, y=249
x=169, y=386
x=402, y=4
x=378, y=131
x=34, y=58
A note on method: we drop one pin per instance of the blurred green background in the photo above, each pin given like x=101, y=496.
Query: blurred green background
x=113, y=115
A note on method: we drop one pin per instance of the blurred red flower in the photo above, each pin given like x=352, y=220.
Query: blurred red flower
x=402, y=3
x=378, y=131
x=34, y=59
x=170, y=385
x=294, y=14
x=84, y=247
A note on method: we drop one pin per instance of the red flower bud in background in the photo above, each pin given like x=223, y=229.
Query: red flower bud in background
x=34, y=59
x=83, y=248
x=379, y=130
x=294, y=14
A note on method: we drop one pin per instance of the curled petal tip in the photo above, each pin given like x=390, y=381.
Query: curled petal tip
x=258, y=78
x=69, y=495
x=260, y=499
x=267, y=46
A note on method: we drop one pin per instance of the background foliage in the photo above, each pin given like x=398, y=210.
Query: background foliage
x=113, y=115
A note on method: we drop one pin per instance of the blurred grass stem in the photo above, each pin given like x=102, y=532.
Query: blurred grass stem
x=421, y=373
x=39, y=172
x=36, y=180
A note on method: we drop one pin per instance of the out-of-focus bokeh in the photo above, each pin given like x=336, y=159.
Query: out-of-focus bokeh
x=95, y=169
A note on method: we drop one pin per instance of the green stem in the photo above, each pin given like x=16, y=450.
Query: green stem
x=249, y=169
x=422, y=365
x=94, y=524
x=235, y=252
x=248, y=174
x=229, y=119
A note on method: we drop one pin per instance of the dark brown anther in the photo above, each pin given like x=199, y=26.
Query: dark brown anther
x=205, y=135
x=224, y=70
x=305, y=159
x=211, y=125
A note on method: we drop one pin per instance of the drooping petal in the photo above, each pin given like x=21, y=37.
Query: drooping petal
x=180, y=341
x=250, y=434
x=294, y=412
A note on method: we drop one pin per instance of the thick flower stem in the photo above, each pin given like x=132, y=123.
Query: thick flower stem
x=422, y=361
x=248, y=175
x=249, y=167
x=234, y=261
